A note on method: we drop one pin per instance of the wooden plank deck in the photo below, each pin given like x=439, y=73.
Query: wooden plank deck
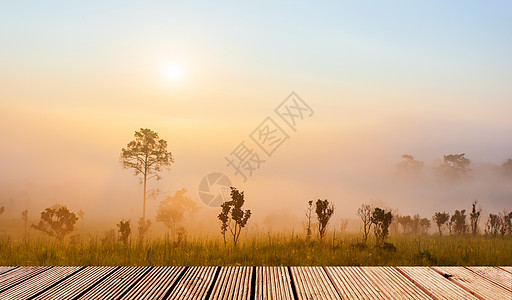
x=435, y=284
x=273, y=283
x=256, y=282
x=480, y=286
x=396, y=286
x=495, y=275
x=38, y=283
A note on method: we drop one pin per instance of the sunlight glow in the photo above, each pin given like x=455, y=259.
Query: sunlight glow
x=173, y=71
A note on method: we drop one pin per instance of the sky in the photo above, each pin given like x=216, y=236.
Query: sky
x=382, y=79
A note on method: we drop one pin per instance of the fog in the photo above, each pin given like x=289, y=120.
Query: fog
x=56, y=158
x=76, y=83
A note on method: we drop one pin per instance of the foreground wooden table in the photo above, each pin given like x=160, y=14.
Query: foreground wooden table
x=255, y=282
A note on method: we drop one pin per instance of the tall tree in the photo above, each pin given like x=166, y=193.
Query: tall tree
x=233, y=216
x=441, y=218
x=324, y=211
x=365, y=213
x=147, y=155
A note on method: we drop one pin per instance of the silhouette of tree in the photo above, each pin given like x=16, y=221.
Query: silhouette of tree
x=232, y=216
x=324, y=211
x=425, y=225
x=493, y=225
x=146, y=155
x=309, y=216
x=143, y=228
x=474, y=218
x=343, y=225
x=458, y=222
x=454, y=166
x=507, y=167
x=381, y=221
x=125, y=230
x=441, y=218
x=172, y=210
x=415, y=224
x=56, y=221
x=24, y=217
x=405, y=222
x=365, y=213
x=409, y=164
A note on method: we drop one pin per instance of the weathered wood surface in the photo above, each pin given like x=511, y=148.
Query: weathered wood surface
x=394, y=284
x=435, y=284
x=481, y=287
x=38, y=283
x=273, y=283
x=495, y=275
x=256, y=282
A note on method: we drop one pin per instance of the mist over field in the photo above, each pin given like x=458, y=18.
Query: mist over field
x=78, y=81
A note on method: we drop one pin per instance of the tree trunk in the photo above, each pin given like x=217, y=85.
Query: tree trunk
x=144, y=203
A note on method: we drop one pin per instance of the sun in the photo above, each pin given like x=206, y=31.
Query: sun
x=173, y=71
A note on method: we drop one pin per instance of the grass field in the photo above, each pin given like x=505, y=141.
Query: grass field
x=261, y=250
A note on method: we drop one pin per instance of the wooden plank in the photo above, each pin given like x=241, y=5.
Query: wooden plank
x=273, y=283
x=79, y=282
x=13, y=277
x=116, y=284
x=5, y=269
x=233, y=283
x=313, y=283
x=195, y=283
x=495, y=275
x=155, y=284
x=475, y=283
x=394, y=284
x=436, y=284
x=352, y=283
x=38, y=283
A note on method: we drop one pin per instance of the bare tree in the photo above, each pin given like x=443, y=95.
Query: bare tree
x=365, y=213
x=309, y=216
x=474, y=218
x=147, y=155
x=324, y=211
